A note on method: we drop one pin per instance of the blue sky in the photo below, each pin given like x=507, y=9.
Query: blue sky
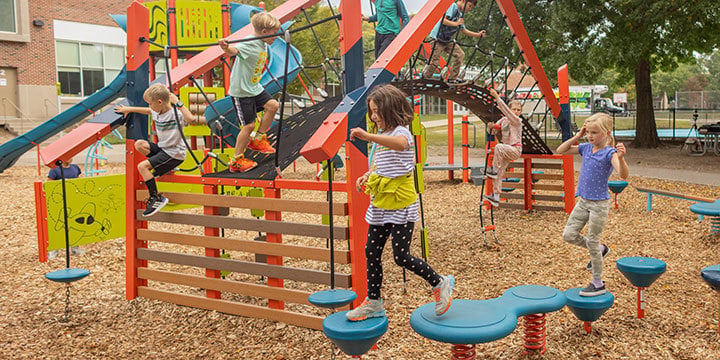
x=413, y=6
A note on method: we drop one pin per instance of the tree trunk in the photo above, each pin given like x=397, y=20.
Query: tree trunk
x=645, y=129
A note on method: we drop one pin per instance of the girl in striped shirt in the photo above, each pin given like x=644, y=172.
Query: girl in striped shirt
x=394, y=208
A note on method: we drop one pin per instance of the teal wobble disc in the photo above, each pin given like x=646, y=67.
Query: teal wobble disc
x=333, y=298
x=588, y=308
x=67, y=275
x=641, y=271
x=617, y=186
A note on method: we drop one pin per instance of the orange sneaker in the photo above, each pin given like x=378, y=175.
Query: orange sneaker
x=261, y=144
x=241, y=164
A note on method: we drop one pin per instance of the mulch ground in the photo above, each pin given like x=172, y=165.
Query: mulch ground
x=681, y=316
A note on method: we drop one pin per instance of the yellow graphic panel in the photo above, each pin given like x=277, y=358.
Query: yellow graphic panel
x=96, y=210
x=158, y=23
x=198, y=22
x=196, y=103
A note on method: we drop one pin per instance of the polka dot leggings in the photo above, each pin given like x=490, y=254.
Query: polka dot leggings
x=401, y=237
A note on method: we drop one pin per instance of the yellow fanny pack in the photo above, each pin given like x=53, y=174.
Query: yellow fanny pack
x=391, y=193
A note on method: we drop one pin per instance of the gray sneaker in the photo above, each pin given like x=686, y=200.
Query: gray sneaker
x=591, y=290
x=443, y=294
x=368, y=309
x=491, y=173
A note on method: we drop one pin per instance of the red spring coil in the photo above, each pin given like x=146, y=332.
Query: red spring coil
x=534, y=333
x=463, y=352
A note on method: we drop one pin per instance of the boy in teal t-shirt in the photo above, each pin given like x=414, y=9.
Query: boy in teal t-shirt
x=247, y=94
x=391, y=17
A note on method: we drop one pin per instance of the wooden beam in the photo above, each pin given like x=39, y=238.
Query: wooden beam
x=520, y=165
x=273, y=249
x=246, y=202
x=230, y=307
x=236, y=287
x=253, y=268
x=266, y=226
x=673, y=194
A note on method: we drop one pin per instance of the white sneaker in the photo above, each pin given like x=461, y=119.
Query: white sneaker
x=443, y=294
x=493, y=199
x=491, y=173
x=52, y=254
x=368, y=309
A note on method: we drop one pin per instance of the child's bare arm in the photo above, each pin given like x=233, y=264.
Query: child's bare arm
x=187, y=115
x=125, y=110
x=397, y=143
x=229, y=50
x=569, y=147
x=514, y=120
x=619, y=163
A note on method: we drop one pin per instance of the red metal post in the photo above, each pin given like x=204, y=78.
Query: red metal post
x=41, y=221
x=358, y=203
x=641, y=302
x=451, y=138
x=274, y=238
x=133, y=182
x=465, y=150
x=587, y=325
x=528, y=51
x=172, y=32
x=209, y=231
x=568, y=182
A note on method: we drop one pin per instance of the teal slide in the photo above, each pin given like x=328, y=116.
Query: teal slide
x=11, y=151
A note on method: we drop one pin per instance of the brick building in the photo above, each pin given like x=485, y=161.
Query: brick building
x=50, y=46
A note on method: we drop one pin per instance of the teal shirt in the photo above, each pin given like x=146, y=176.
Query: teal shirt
x=248, y=69
x=388, y=16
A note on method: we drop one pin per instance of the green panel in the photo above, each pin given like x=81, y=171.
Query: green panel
x=423, y=145
x=419, y=179
x=416, y=127
x=196, y=130
x=424, y=243
x=198, y=22
x=96, y=210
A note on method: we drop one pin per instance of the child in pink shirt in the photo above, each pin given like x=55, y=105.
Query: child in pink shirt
x=509, y=147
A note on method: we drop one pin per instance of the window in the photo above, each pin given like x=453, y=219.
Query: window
x=7, y=18
x=85, y=68
x=14, y=20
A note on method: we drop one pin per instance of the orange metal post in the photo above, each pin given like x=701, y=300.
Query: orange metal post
x=465, y=149
x=641, y=302
x=274, y=238
x=451, y=138
x=133, y=182
x=41, y=221
x=527, y=178
x=209, y=231
x=172, y=32
x=568, y=182
x=358, y=203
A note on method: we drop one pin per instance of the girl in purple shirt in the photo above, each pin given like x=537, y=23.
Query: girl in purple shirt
x=600, y=156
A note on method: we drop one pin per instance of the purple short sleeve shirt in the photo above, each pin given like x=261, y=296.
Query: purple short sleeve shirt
x=594, y=172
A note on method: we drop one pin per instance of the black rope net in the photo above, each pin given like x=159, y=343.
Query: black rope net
x=479, y=101
x=296, y=131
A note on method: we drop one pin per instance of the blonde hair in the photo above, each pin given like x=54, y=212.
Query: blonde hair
x=604, y=122
x=264, y=21
x=515, y=102
x=157, y=92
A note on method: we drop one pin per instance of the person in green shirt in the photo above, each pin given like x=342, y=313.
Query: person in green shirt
x=391, y=16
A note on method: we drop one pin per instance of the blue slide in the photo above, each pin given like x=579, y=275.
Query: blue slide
x=11, y=151
x=240, y=17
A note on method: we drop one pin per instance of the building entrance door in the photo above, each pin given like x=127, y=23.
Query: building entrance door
x=8, y=91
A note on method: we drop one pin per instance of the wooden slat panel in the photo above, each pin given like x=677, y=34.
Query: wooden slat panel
x=548, y=197
x=266, y=248
x=236, y=287
x=548, y=207
x=274, y=271
x=520, y=165
x=521, y=175
x=552, y=187
x=230, y=307
x=535, y=197
x=267, y=226
x=246, y=202
x=512, y=206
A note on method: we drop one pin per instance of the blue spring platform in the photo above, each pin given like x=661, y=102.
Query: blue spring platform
x=588, y=308
x=641, y=271
x=711, y=275
x=481, y=321
x=354, y=337
x=711, y=210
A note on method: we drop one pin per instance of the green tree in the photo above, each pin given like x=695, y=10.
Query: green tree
x=634, y=38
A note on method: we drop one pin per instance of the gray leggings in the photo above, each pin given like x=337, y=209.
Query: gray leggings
x=594, y=213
